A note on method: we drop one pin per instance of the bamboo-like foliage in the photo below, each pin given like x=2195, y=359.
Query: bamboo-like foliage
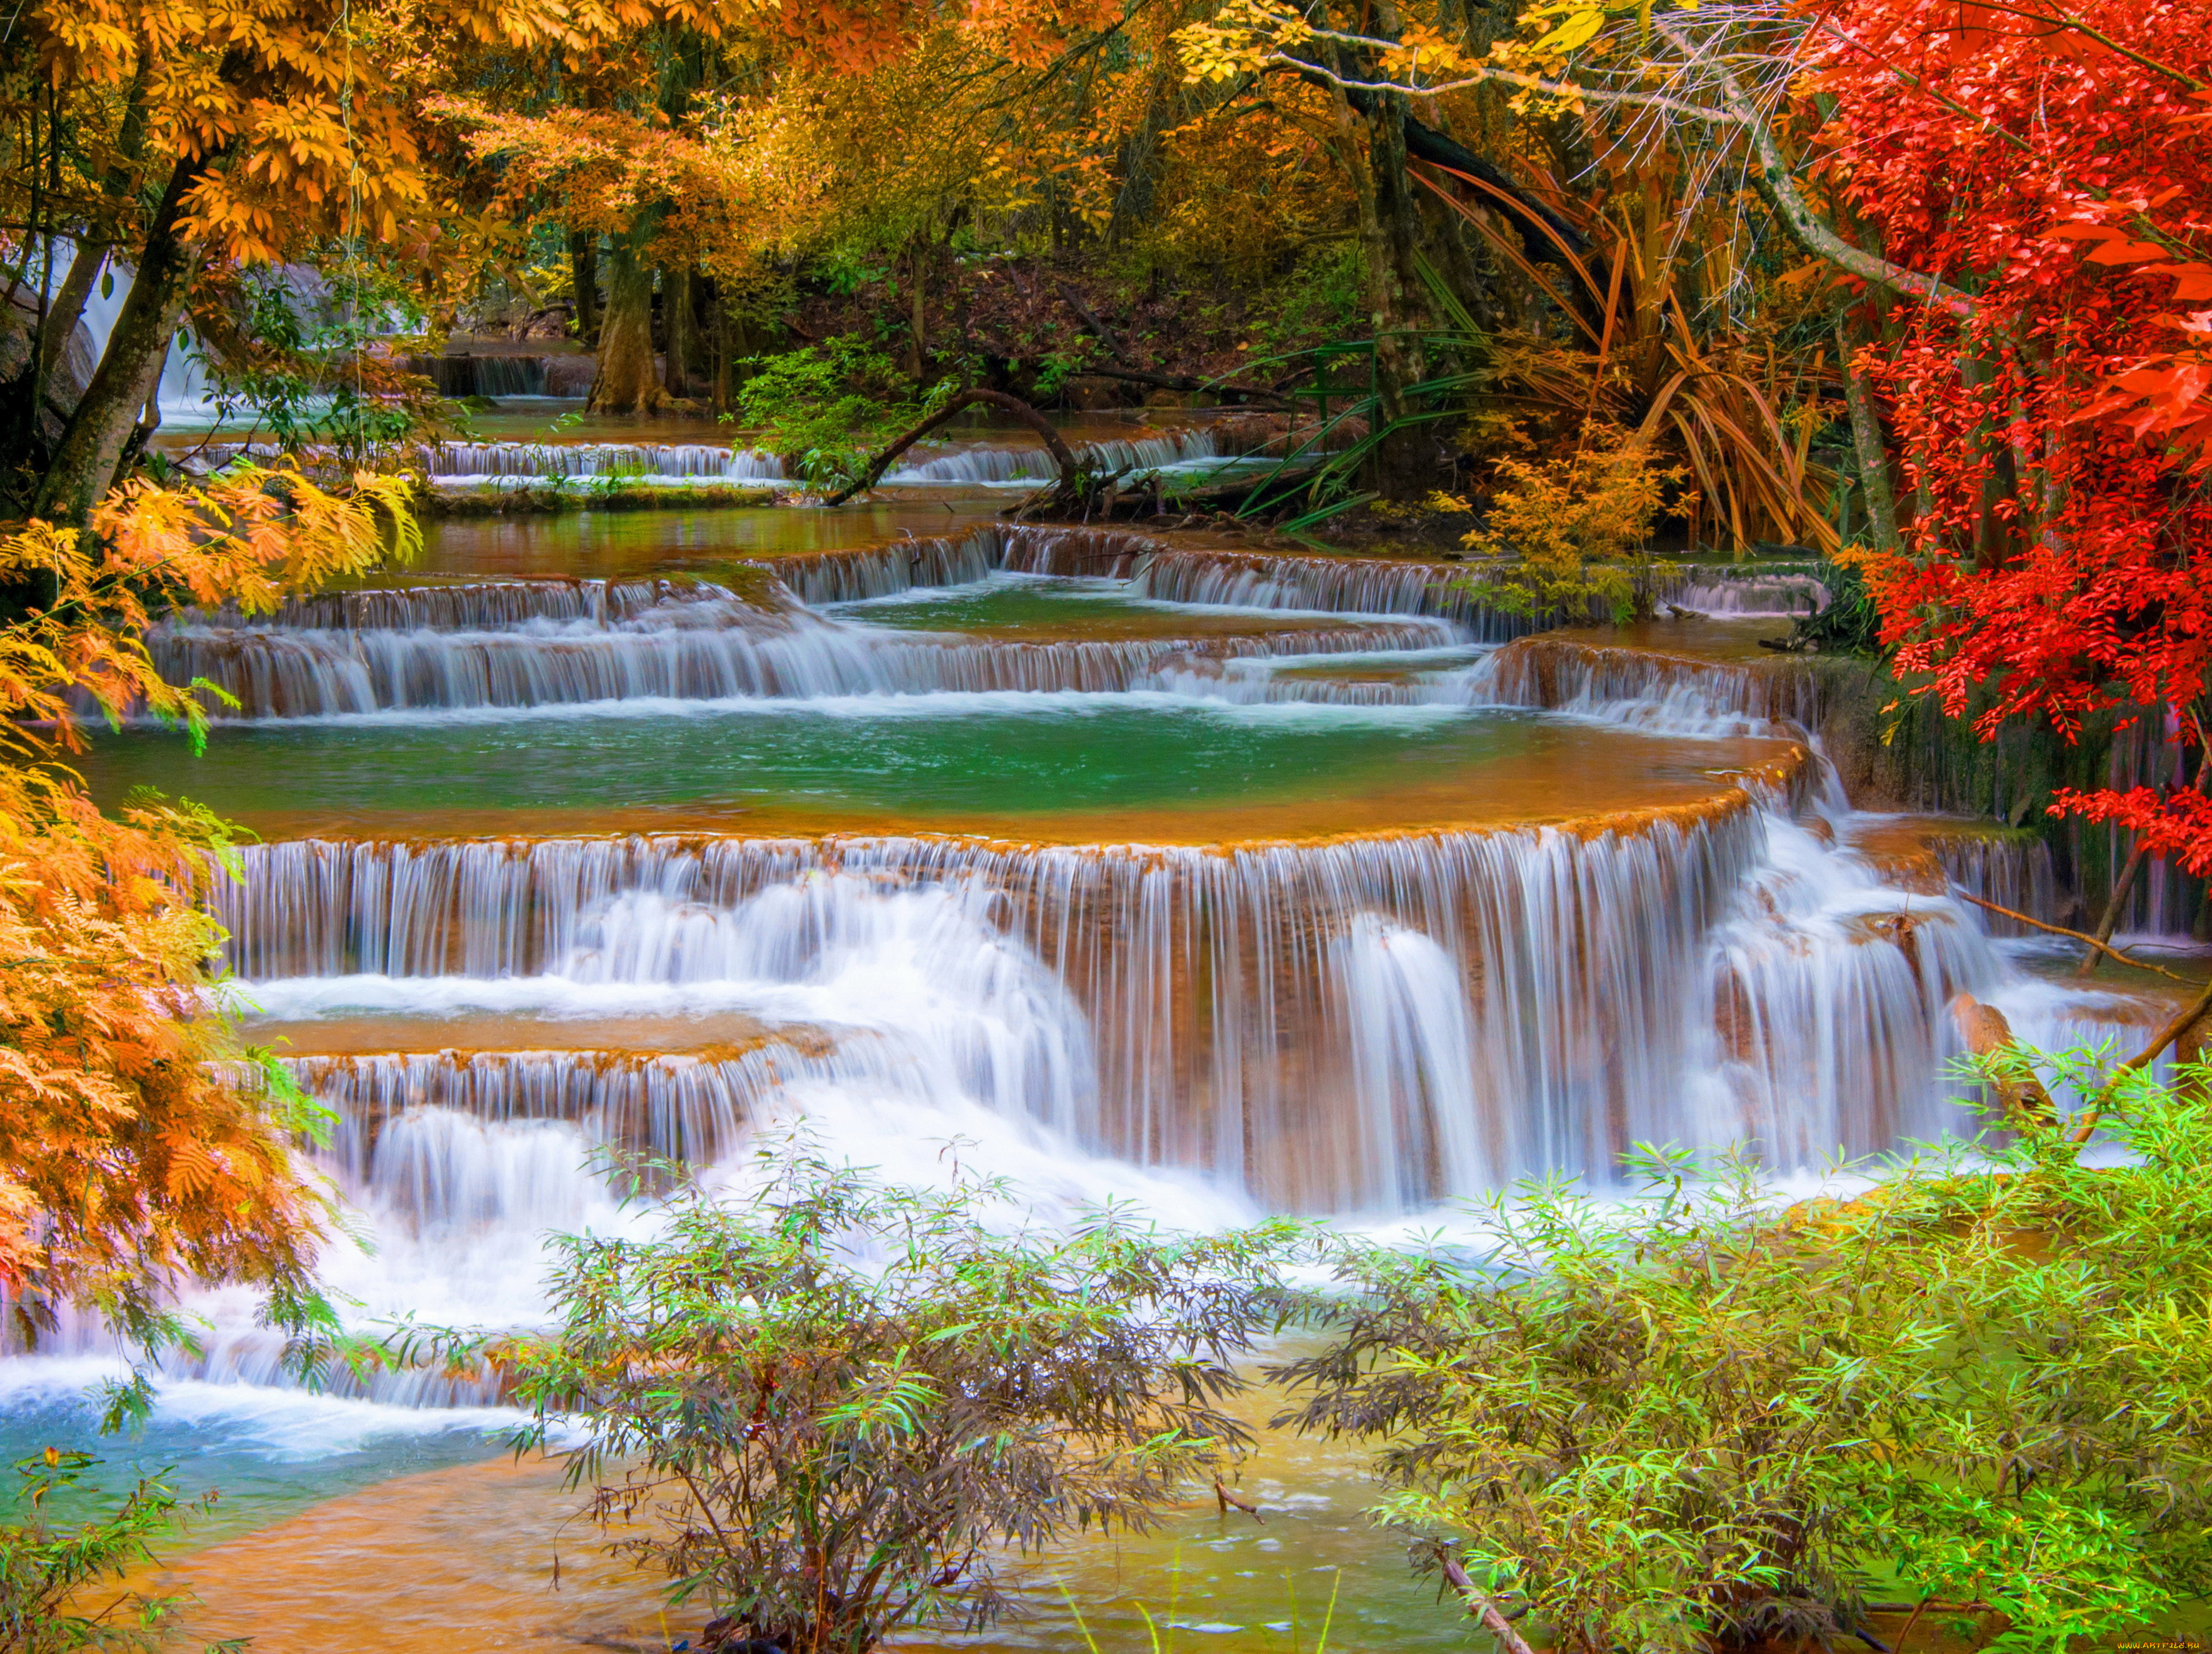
x=833, y=1403
x=1706, y=1418
x=1688, y=382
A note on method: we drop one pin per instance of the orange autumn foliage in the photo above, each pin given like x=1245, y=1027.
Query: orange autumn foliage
x=142, y=1146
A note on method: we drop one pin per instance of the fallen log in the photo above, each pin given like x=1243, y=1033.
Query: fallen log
x=1184, y=382
x=1055, y=444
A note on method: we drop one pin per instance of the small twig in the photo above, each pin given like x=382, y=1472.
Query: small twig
x=1106, y=335
x=2078, y=935
x=1224, y=1498
x=1509, y=1640
x=2184, y=1020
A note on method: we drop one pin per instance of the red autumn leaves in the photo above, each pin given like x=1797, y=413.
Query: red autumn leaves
x=2056, y=441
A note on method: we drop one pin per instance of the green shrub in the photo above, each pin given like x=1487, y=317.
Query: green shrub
x=51, y=1570
x=1705, y=1417
x=828, y=406
x=837, y=1401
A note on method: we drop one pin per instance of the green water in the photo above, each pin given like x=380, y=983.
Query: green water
x=942, y=762
x=1004, y=603
x=267, y=1462
x=611, y=544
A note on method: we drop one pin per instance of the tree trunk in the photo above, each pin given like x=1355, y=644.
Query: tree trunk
x=2115, y=905
x=1867, y=442
x=918, y=272
x=627, y=380
x=84, y=465
x=719, y=309
x=584, y=274
x=93, y=249
x=682, y=330
x=1389, y=232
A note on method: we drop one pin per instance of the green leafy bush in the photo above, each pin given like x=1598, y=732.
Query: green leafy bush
x=827, y=407
x=838, y=1402
x=1320, y=300
x=51, y=1570
x=1705, y=1417
x=295, y=369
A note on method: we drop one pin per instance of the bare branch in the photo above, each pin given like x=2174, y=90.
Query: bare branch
x=1775, y=182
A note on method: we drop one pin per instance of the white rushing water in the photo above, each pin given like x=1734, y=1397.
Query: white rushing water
x=1366, y=1026
x=978, y=466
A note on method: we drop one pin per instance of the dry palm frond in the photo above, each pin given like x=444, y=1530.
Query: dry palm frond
x=1706, y=391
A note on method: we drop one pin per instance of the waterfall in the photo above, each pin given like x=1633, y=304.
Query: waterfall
x=675, y=1107
x=1282, y=584
x=1827, y=1024
x=184, y=394
x=1646, y=689
x=517, y=464
x=1411, y=1050
x=1748, y=593
x=2011, y=871
x=1368, y=1024
x=1333, y=585
x=569, y=643
x=1203, y=1022
x=482, y=375
x=521, y=464
x=1170, y=450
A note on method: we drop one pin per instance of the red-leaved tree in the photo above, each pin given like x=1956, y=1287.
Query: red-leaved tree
x=2052, y=168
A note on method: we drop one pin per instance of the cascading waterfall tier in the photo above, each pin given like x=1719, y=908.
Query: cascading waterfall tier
x=1365, y=1025
x=526, y=643
x=679, y=1107
x=1738, y=594
x=482, y=375
x=519, y=463
x=523, y=643
x=1206, y=576
x=1649, y=688
x=1226, y=577
x=523, y=463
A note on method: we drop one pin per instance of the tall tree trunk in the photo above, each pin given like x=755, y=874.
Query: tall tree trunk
x=1867, y=442
x=725, y=348
x=682, y=328
x=584, y=276
x=627, y=380
x=84, y=465
x=1389, y=234
x=918, y=274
